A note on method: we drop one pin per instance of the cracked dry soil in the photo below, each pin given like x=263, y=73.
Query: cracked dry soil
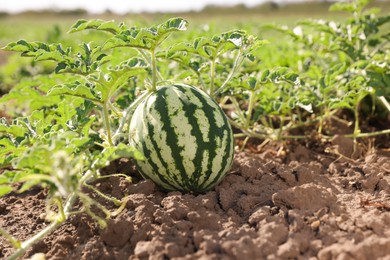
x=306, y=204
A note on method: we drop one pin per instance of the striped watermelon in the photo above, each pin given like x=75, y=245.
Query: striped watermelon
x=185, y=137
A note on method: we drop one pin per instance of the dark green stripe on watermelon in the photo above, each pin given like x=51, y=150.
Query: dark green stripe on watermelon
x=147, y=155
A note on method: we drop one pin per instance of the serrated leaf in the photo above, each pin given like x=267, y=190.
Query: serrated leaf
x=79, y=24
x=113, y=153
x=5, y=189
x=85, y=25
x=110, y=26
x=146, y=38
x=3, y=179
x=126, y=74
x=5, y=143
x=15, y=130
x=290, y=76
x=236, y=37
x=87, y=126
x=176, y=49
x=204, y=47
x=76, y=89
x=45, y=55
x=251, y=57
x=134, y=63
x=98, y=24
x=264, y=75
x=29, y=184
x=179, y=24
x=61, y=67
x=252, y=82
x=20, y=46
x=123, y=150
x=36, y=158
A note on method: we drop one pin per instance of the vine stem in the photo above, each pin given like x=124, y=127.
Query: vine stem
x=154, y=70
x=385, y=102
x=47, y=230
x=212, y=76
x=237, y=62
x=148, y=59
x=371, y=134
x=62, y=216
x=14, y=242
x=240, y=113
x=127, y=114
x=356, y=130
x=106, y=122
x=250, y=108
x=252, y=134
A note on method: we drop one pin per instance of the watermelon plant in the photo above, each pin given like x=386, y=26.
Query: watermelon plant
x=345, y=64
x=110, y=100
x=173, y=103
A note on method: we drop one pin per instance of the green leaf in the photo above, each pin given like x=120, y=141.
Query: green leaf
x=76, y=89
x=5, y=189
x=15, y=130
x=251, y=57
x=79, y=25
x=133, y=63
x=113, y=153
x=237, y=37
x=29, y=184
x=177, y=24
x=146, y=38
x=3, y=179
x=98, y=24
x=61, y=67
x=252, y=82
x=351, y=7
x=123, y=150
x=37, y=158
x=52, y=55
x=19, y=46
x=110, y=26
x=126, y=39
x=82, y=24
x=347, y=7
x=264, y=75
x=6, y=143
x=205, y=47
x=178, y=48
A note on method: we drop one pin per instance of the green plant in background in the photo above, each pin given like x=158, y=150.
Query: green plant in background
x=215, y=60
x=277, y=101
x=346, y=62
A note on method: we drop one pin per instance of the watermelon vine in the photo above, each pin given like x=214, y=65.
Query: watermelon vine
x=88, y=88
x=136, y=92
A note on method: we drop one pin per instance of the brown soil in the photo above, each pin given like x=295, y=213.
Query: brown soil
x=297, y=203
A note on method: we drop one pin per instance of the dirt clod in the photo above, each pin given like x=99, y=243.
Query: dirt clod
x=118, y=231
x=303, y=206
x=309, y=197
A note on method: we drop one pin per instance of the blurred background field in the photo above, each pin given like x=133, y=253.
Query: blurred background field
x=52, y=25
x=47, y=24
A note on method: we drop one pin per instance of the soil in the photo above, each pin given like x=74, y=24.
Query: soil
x=297, y=201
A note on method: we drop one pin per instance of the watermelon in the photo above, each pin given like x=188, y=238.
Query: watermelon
x=185, y=137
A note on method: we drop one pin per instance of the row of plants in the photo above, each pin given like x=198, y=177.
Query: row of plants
x=62, y=126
